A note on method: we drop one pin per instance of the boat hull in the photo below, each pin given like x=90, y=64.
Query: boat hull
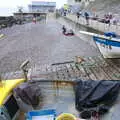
x=108, y=47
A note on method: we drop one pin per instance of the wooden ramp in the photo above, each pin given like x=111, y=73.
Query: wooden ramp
x=92, y=68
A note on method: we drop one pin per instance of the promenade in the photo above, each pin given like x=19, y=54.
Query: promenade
x=41, y=43
x=94, y=24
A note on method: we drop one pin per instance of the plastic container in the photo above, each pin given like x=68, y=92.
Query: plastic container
x=66, y=116
x=41, y=115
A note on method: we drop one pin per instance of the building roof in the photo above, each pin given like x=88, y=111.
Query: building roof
x=43, y=3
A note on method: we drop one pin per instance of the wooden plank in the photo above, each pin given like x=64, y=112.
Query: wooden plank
x=49, y=72
x=91, y=68
x=83, y=73
x=68, y=71
x=90, y=73
x=114, y=63
x=62, y=72
x=115, y=71
x=78, y=70
x=88, y=65
x=59, y=73
x=71, y=72
x=101, y=64
x=54, y=75
x=75, y=71
x=99, y=70
x=107, y=68
x=110, y=69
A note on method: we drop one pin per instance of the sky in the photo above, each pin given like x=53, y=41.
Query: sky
x=7, y=7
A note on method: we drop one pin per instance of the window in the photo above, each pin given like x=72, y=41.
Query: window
x=11, y=106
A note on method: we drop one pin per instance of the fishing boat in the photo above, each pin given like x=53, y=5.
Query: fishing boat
x=59, y=99
x=108, y=44
x=59, y=94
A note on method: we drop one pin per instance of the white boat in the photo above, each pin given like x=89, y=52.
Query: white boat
x=108, y=44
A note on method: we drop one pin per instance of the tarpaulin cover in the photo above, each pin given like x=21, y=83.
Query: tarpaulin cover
x=91, y=95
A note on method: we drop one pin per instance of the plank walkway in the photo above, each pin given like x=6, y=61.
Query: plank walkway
x=94, y=68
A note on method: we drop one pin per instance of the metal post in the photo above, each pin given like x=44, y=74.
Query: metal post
x=24, y=69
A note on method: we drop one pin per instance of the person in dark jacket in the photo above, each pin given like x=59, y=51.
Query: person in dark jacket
x=64, y=29
x=87, y=18
x=78, y=15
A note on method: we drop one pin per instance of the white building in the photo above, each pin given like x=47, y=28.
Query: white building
x=79, y=2
x=40, y=6
x=86, y=2
x=71, y=2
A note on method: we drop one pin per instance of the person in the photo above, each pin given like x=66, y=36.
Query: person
x=34, y=20
x=78, y=15
x=67, y=32
x=64, y=29
x=107, y=20
x=87, y=18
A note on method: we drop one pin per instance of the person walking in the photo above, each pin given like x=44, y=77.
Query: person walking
x=78, y=15
x=87, y=18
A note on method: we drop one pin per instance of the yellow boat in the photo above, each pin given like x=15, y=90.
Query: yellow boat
x=55, y=94
x=8, y=110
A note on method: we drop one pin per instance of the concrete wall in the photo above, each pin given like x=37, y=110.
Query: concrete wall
x=95, y=24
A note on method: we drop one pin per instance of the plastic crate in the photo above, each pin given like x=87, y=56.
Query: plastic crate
x=41, y=115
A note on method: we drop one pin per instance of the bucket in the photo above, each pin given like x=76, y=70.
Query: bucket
x=66, y=116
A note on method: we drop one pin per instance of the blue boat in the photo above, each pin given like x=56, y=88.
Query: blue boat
x=108, y=44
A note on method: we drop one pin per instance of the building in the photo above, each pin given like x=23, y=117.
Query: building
x=75, y=6
x=85, y=2
x=71, y=2
x=40, y=6
x=78, y=5
x=29, y=15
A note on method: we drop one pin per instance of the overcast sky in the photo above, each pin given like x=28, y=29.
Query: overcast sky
x=7, y=7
